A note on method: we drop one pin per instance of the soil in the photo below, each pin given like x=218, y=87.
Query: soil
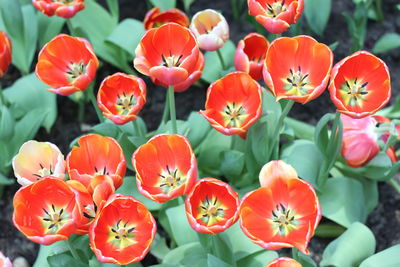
x=384, y=221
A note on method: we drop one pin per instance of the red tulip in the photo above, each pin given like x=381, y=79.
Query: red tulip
x=276, y=15
x=297, y=68
x=96, y=155
x=5, y=53
x=61, y=8
x=178, y=63
x=250, y=55
x=283, y=262
x=67, y=63
x=165, y=167
x=4, y=261
x=121, y=97
x=233, y=103
x=360, y=85
x=122, y=231
x=284, y=212
x=212, y=206
x=154, y=18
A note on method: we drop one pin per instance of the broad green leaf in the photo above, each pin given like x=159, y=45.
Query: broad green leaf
x=28, y=93
x=199, y=127
x=295, y=155
x=343, y=201
x=129, y=188
x=258, y=259
x=232, y=163
x=213, y=261
x=378, y=167
x=182, y=232
x=5, y=181
x=107, y=129
x=351, y=248
x=301, y=129
x=159, y=247
x=13, y=19
x=30, y=34
x=187, y=4
x=213, y=68
x=386, y=258
x=164, y=4
x=46, y=251
x=64, y=260
x=114, y=9
x=48, y=27
x=178, y=254
x=127, y=35
x=7, y=123
x=304, y=260
x=317, y=13
x=386, y=43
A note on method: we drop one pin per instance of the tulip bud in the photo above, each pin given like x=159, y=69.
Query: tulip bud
x=5, y=52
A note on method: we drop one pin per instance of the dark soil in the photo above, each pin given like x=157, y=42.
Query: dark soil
x=384, y=221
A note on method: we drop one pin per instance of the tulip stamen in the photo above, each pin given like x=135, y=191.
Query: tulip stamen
x=276, y=8
x=65, y=2
x=171, y=60
x=234, y=115
x=354, y=92
x=54, y=218
x=101, y=172
x=170, y=179
x=284, y=219
x=125, y=103
x=211, y=211
x=43, y=171
x=75, y=70
x=122, y=234
x=297, y=83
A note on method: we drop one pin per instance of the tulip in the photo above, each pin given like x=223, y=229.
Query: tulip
x=210, y=29
x=297, y=68
x=360, y=85
x=250, y=55
x=178, y=63
x=5, y=53
x=96, y=155
x=283, y=262
x=276, y=15
x=121, y=97
x=36, y=160
x=166, y=167
x=233, y=103
x=212, y=206
x=4, y=261
x=154, y=18
x=67, y=63
x=48, y=210
x=61, y=8
x=122, y=231
x=283, y=212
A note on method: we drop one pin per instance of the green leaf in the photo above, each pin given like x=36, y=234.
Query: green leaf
x=178, y=254
x=114, y=9
x=213, y=261
x=129, y=188
x=232, y=163
x=127, y=35
x=159, y=247
x=317, y=13
x=295, y=154
x=48, y=27
x=386, y=258
x=213, y=68
x=387, y=42
x=46, y=251
x=7, y=123
x=13, y=20
x=304, y=260
x=199, y=127
x=351, y=248
x=258, y=259
x=28, y=93
x=182, y=232
x=5, y=181
x=377, y=168
x=164, y=4
x=64, y=260
x=301, y=129
x=187, y=4
x=342, y=200
x=30, y=34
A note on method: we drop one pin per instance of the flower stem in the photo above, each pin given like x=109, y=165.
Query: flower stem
x=81, y=110
x=73, y=250
x=137, y=129
x=2, y=98
x=94, y=103
x=171, y=100
x=221, y=59
x=166, y=109
x=395, y=184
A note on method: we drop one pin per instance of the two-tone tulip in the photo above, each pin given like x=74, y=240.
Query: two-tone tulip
x=4, y=261
x=155, y=18
x=121, y=97
x=61, y=8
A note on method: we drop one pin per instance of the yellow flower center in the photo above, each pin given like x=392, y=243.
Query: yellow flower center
x=43, y=171
x=234, y=115
x=276, y=8
x=353, y=92
x=122, y=234
x=125, y=103
x=284, y=220
x=297, y=83
x=171, y=61
x=54, y=218
x=75, y=70
x=211, y=211
x=171, y=179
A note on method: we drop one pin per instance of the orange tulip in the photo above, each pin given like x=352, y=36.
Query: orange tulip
x=212, y=206
x=276, y=15
x=233, y=103
x=283, y=262
x=96, y=155
x=165, y=167
x=177, y=63
x=360, y=85
x=284, y=212
x=360, y=139
x=121, y=97
x=210, y=29
x=297, y=68
x=4, y=261
x=5, y=53
x=123, y=231
x=61, y=8
x=48, y=210
x=36, y=160
x=154, y=18
x=250, y=55
x=67, y=63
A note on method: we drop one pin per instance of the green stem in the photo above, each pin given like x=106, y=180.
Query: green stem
x=276, y=135
x=73, y=250
x=221, y=59
x=94, y=103
x=235, y=10
x=81, y=110
x=2, y=97
x=136, y=127
x=171, y=98
x=166, y=109
x=395, y=184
